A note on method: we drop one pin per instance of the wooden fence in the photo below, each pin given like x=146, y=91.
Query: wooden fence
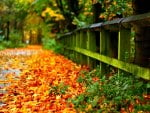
x=106, y=44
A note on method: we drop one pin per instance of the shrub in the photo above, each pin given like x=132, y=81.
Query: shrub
x=51, y=44
x=1, y=47
x=110, y=95
x=13, y=42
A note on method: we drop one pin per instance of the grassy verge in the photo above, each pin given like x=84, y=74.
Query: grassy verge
x=118, y=93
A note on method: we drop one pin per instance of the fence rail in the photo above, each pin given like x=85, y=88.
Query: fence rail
x=107, y=44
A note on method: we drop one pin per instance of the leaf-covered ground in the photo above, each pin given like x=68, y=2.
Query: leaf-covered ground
x=37, y=81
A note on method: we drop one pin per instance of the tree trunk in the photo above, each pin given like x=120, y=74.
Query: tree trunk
x=73, y=8
x=7, y=33
x=142, y=36
x=39, y=35
x=97, y=9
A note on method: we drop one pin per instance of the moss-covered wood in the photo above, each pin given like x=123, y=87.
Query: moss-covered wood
x=128, y=67
x=114, y=45
x=74, y=44
x=124, y=45
x=104, y=48
x=83, y=41
x=78, y=58
x=91, y=45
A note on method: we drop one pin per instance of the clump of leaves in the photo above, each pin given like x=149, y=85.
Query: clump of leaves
x=116, y=8
x=2, y=47
x=59, y=89
x=51, y=44
x=15, y=40
x=123, y=90
x=1, y=37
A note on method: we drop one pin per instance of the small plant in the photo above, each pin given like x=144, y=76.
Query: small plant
x=1, y=38
x=2, y=47
x=1, y=42
x=15, y=39
x=13, y=42
x=59, y=89
x=111, y=94
x=51, y=44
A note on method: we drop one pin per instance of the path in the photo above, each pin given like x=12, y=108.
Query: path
x=12, y=61
x=33, y=80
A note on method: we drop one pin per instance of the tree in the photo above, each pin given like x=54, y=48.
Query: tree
x=12, y=15
x=6, y=16
x=69, y=9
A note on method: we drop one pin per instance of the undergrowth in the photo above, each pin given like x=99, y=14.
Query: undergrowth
x=115, y=94
x=51, y=44
x=15, y=41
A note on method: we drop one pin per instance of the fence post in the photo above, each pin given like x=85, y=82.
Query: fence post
x=104, y=48
x=124, y=45
x=67, y=44
x=83, y=41
x=73, y=45
x=70, y=46
x=78, y=45
x=91, y=45
x=65, y=49
x=75, y=53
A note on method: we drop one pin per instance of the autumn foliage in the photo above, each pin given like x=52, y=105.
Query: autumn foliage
x=33, y=80
x=40, y=86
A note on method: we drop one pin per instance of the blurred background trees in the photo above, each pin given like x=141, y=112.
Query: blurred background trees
x=33, y=18
x=62, y=15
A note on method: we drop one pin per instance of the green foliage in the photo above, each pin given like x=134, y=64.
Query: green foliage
x=114, y=8
x=15, y=37
x=75, y=12
x=1, y=47
x=79, y=23
x=109, y=94
x=2, y=38
x=143, y=108
x=51, y=44
x=14, y=10
x=58, y=89
x=120, y=88
x=14, y=41
x=10, y=44
x=39, y=5
x=132, y=41
x=1, y=41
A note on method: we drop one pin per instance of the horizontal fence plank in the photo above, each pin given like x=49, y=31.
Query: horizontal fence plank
x=143, y=19
x=128, y=67
x=139, y=18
